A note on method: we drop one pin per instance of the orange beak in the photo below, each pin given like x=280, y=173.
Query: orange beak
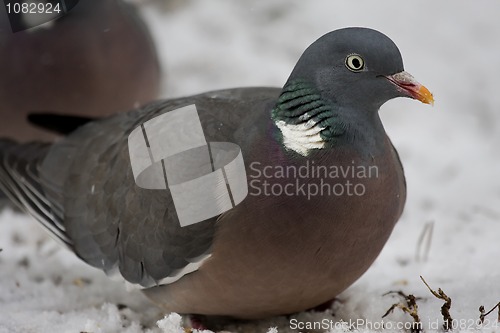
x=407, y=84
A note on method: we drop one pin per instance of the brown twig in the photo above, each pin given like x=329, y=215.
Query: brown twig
x=445, y=309
x=410, y=308
x=483, y=314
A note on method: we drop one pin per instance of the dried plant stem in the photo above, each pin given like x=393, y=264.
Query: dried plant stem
x=445, y=309
x=410, y=308
x=484, y=314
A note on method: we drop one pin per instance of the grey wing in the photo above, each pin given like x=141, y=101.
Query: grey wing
x=109, y=221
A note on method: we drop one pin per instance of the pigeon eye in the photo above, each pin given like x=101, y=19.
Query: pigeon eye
x=354, y=62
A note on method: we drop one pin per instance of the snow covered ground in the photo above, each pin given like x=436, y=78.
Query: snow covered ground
x=450, y=152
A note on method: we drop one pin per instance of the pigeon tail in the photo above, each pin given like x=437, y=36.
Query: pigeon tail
x=20, y=181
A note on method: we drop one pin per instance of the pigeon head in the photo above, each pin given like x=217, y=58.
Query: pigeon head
x=342, y=77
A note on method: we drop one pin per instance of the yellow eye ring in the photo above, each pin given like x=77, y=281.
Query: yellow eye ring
x=354, y=62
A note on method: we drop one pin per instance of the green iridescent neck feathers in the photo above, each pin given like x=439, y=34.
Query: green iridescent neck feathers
x=306, y=120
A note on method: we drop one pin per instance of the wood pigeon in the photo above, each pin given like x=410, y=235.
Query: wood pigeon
x=96, y=60
x=324, y=185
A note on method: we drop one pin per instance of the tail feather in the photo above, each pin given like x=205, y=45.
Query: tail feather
x=19, y=180
x=58, y=123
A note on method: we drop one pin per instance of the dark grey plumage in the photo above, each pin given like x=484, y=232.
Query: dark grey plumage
x=81, y=179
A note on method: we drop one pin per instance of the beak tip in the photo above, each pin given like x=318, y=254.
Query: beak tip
x=425, y=96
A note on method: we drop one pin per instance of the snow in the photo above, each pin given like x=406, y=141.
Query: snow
x=450, y=153
x=172, y=323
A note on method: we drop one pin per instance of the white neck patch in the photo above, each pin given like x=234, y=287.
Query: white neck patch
x=303, y=137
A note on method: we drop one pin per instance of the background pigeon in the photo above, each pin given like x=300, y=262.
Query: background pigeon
x=97, y=60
